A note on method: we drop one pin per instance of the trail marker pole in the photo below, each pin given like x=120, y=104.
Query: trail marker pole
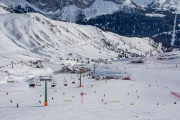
x=22, y=63
x=82, y=94
x=80, y=79
x=12, y=64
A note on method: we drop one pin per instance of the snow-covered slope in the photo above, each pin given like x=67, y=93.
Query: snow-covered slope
x=3, y=11
x=34, y=33
x=147, y=96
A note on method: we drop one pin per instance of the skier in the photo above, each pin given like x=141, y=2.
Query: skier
x=17, y=105
x=102, y=101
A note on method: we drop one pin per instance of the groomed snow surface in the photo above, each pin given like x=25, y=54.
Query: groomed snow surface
x=147, y=96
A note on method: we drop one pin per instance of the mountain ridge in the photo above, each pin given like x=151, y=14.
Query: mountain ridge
x=70, y=9
x=107, y=9
x=41, y=36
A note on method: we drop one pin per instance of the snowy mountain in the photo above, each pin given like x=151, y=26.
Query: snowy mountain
x=70, y=9
x=67, y=10
x=119, y=86
x=159, y=4
x=3, y=11
x=37, y=35
x=166, y=4
x=132, y=18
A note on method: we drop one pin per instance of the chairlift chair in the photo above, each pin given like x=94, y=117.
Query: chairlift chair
x=32, y=84
x=73, y=82
x=53, y=84
x=10, y=80
x=38, y=83
x=65, y=82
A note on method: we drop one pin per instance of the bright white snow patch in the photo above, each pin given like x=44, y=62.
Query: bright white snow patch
x=155, y=15
x=2, y=11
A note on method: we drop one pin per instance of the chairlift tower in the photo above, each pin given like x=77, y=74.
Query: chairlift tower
x=81, y=71
x=45, y=79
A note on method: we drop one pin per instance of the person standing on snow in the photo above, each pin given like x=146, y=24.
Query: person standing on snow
x=17, y=105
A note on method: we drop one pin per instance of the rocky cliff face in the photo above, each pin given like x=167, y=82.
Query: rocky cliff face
x=165, y=4
x=70, y=9
x=83, y=4
x=53, y=5
x=50, y=5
